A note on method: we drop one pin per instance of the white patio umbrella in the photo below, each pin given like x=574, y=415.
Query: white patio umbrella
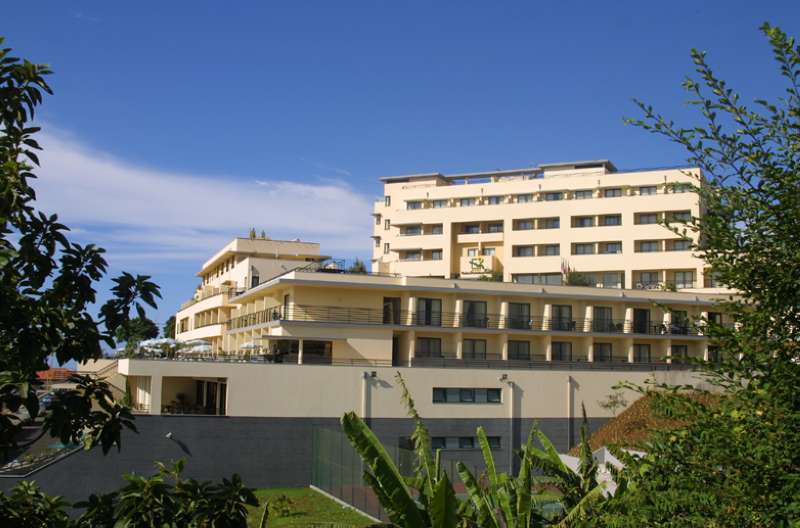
x=160, y=342
x=195, y=342
x=250, y=345
x=199, y=349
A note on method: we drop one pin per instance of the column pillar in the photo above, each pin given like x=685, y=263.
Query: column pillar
x=547, y=313
x=504, y=346
x=412, y=346
x=668, y=350
x=458, y=311
x=548, y=348
x=629, y=348
x=503, y=315
x=588, y=318
x=155, y=394
x=412, y=311
x=628, y=323
x=703, y=322
x=300, y=352
x=590, y=351
x=667, y=321
x=705, y=351
x=459, y=345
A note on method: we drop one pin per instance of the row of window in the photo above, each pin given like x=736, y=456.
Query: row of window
x=550, y=196
x=551, y=250
x=466, y=395
x=462, y=442
x=650, y=246
x=416, y=255
x=643, y=279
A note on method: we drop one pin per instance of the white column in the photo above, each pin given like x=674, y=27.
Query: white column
x=588, y=318
x=668, y=350
x=546, y=315
x=667, y=321
x=156, y=382
x=590, y=351
x=705, y=351
x=628, y=323
x=703, y=321
x=412, y=311
x=459, y=345
x=458, y=312
x=629, y=347
x=504, y=346
x=300, y=352
x=503, y=323
x=412, y=346
x=548, y=348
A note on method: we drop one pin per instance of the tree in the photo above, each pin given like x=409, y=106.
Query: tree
x=358, y=267
x=735, y=462
x=47, y=296
x=137, y=329
x=615, y=400
x=169, y=328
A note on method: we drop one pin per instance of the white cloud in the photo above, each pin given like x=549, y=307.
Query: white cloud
x=143, y=213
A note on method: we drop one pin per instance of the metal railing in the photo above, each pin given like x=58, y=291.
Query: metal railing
x=373, y=316
x=614, y=363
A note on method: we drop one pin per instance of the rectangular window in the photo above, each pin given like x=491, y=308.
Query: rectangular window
x=646, y=218
x=612, y=193
x=413, y=205
x=466, y=202
x=549, y=223
x=474, y=349
x=523, y=225
x=649, y=278
x=494, y=200
x=611, y=220
x=680, y=245
x=613, y=279
x=493, y=395
x=387, y=224
x=475, y=314
x=522, y=251
x=471, y=229
x=495, y=227
x=387, y=201
x=436, y=254
x=519, y=315
x=488, y=251
x=428, y=347
x=552, y=279
x=648, y=246
x=377, y=219
x=524, y=198
x=583, y=249
x=466, y=395
x=582, y=221
x=584, y=194
x=682, y=188
x=561, y=351
x=472, y=252
x=439, y=204
x=641, y=353
x=377, y=242
x=466, y=442
x=437, y=229
x=439, y=395
x=608, y=248
x=494, y=442
x=684, y=279
x=646, y=190
x=679, y=353
x=520, y=350
x=680, y=216
x=386, y=248
x=429, y=312
x=438, y=442
x=602, y=352
x=412, y=230
x=602, y=320
x=412, y=255
x=553, y=196
x=551, y=250
x=562, y=318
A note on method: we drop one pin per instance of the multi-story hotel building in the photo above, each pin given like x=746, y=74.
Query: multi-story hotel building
x=527, y=225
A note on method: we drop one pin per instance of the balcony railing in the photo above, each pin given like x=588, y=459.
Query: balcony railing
x=371, y=316
x=670, y=285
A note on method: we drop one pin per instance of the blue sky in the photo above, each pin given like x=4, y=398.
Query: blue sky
x=177, y=125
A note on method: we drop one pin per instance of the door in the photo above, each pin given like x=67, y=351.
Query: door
x=562, y=317
x=391, y=310
x=602, y=321
x=429, y=312
x=475, y=312
x=641, y=321
x=395, y=351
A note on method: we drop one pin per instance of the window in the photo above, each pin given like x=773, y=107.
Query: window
x=552, y=279
x=494, y=442
x=436, y=254
x=583, y=249
x=387, y=201
x=519, y=315
x=611, y=220
x=412, y=255
x=680, y=216
x=377, y=242
x=715, y=318
x=475, y=314
x=387, y=224
x=494, y=200
x=523, y=225
x=377, y=219
x=183, y=325
x=519, y=350
x=489, y=251
x=682, y=188
x=414, y=205
x=684, y=279
x=472, y=252
x=495, y=227
x=582, y=221
x=584, y=194
x=680, y=245
x=466, y=442
x=613, y=279
x=641, y=353
x=466, y=202
x=679, y=353
x=428, y=347
x=522, y=251
x=465, y=395
x=649, y=278
x=551, y=250
x=645, y=190
x=493, y=395
x=438, y=442
x=549, y=223
x=553, y=196
x=386, y=248
x=647, y=218
x=474, y=349
x=471, y=229
x=429, y=312
x=607, y=248
x=412, y=230
x=649, y=246
x=524, y=198
x=602, y=352
x=562, y=318
x=439, y=204
x=602, y=320
x=561, y=351
x=436, y=229
x=612, y=193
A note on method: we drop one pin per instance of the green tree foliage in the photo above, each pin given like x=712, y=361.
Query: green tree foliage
x=137, y=329
x=736, y=462
x=358, y=267
x=47, y=296
x=169, y=328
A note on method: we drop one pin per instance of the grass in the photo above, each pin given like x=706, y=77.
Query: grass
x=305, y=506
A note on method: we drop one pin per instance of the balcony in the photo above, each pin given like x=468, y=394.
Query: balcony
x=371, y=316
x=478, y=265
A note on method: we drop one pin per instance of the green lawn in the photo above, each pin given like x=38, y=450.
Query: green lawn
x=305, y=506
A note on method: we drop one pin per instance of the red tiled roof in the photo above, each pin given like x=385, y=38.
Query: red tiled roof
x=55, y=374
